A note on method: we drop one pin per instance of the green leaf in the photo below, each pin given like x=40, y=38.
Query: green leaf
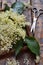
x=19, y=46
x=18, y=7
x=6, y=7
x=33, y=45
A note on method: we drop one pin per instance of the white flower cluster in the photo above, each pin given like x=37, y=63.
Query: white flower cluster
x=11, y=62
x=11, y=24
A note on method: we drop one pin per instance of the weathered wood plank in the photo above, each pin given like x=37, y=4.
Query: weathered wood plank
x=39, y=30
x=29, y=55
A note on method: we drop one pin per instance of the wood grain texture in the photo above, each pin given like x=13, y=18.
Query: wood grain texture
x=39, y=28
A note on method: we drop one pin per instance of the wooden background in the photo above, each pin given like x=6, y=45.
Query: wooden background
x=39, y=28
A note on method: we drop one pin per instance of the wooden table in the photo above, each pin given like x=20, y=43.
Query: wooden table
x=39, y=28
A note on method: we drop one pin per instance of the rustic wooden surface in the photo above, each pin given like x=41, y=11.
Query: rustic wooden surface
x=39, y=28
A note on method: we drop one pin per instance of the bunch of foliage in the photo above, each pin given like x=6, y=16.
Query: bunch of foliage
x=13, y=31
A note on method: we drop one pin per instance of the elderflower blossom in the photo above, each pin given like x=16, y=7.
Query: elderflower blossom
x=11, y=62
x=11, y=24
